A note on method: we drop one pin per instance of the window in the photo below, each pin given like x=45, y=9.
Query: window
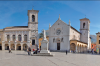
x=25, y=37
x=92, y=45
x=53, y=39
x=33, y=18
x=19, y=37
x=8, y=37
x=83, y=25
x=99, y=41
x=61, y=39
x=0, y=39
x=33, y=41
x=13, y=37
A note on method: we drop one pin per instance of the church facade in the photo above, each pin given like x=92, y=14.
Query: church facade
x=63, y=36
x=21, y=37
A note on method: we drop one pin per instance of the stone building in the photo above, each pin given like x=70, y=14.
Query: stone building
x=98, y=42
x=21, y=37
x=63, y=36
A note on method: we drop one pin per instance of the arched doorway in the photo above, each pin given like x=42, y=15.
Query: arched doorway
x=12, y=47
x=18, y=47
x=58, y=43
x=6, y=47
x=72, y=47
x=0, y=46
x=25, y=47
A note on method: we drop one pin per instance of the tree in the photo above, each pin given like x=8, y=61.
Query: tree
x=41, y=35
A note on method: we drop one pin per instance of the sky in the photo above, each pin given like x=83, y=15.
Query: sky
x=14, y=13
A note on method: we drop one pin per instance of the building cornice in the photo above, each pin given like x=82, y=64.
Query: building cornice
x=78, y=41
x=32, y=11
x=15, y=30
x=32, y=22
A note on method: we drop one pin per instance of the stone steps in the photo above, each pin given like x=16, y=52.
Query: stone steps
x=43, y=54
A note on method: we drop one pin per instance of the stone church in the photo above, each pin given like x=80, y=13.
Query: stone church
x=63, y=36
x=21, y=37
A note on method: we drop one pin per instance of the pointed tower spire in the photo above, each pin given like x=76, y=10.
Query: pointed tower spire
x=59, y=17
x=69, y=22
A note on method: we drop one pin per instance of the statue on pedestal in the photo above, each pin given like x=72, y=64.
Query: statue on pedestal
x=44, y=47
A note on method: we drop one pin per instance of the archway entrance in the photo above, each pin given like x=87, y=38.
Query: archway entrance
x=25, y=47
x=0, y=47
x=18, y=47
x=58, y=46
x=72, y=47
x=12, y=47
x=6, y=47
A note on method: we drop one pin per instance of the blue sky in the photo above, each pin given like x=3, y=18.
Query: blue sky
x=14, y=13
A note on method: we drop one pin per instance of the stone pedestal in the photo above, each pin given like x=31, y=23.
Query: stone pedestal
x=44, y=47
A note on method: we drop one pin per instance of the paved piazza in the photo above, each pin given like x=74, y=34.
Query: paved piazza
x=20, y=58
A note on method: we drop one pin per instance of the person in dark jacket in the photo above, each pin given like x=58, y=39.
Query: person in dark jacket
x=29, y=50
x=66, y=52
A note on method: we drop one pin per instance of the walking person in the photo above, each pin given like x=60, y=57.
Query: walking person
x=92, y=51
x=66, y=52
x=28, y=51
x=33, y=51
x=10, y=50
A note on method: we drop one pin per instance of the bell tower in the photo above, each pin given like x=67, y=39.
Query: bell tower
x=85, y=31
x=33, y=26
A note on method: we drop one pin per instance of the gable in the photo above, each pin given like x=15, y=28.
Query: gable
x=59, y=25
x=58, y=22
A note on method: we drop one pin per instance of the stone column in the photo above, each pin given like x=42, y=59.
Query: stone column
x=3, y=46
x=80, y=48
x=5, y=37
x=22, y=37
x=16, y=37
x=15, y=46
x=10, y=37
x=21, y=46
x=76, y=47
x=83, y=48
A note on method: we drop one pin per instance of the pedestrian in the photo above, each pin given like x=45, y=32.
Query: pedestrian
x=36, y=51
x=28, y=51
x=66, y=52
x=10, y=50
x=33, y=51
x=92, y=51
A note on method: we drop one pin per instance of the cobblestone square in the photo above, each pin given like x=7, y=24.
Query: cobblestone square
x=21, y=58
